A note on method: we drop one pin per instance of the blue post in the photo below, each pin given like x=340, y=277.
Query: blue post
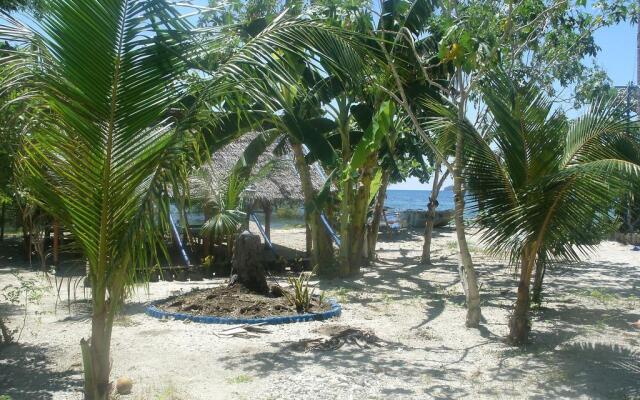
x=262, y=232
x=176, y=234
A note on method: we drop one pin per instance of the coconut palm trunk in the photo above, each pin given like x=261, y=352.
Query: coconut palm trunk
x=96, y=351
x=545, y=184
x=111, y=73
x=519, y=323
x=321, y=245
x=538, y=281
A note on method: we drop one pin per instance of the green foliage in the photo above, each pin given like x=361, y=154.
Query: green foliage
x=302, y=295
x=35, y=6
x=119, y=132
x=549, y=42
x=379, y=127
x=226, y=209
x=288, y=212
x=242, y=378
x=542, y=183
x=28, y=290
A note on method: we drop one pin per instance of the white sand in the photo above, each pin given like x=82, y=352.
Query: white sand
x=582, y=345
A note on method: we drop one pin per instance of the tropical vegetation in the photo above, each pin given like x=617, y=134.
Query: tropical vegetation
x=110, y=110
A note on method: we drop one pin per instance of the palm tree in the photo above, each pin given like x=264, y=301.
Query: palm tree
x=544, y=185
x=225, y=201
x=112, y=145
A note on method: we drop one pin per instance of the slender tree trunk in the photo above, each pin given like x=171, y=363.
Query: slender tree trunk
x=346, y=191
x=319, y=241
x=26, y=243
x=2, y=221
x=96, y=351
x=56, y=242
x=467, y=271
x=431, y=216
x=519, y=324
x=537, y=283
x=308, y=235
x=372, y=236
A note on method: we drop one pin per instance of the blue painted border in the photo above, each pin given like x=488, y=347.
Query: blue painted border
x=335, y=311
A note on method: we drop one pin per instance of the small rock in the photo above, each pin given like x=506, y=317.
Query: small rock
x=636, y=324
x=124, y=385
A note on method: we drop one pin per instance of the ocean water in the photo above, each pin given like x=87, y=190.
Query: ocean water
x=399, y=200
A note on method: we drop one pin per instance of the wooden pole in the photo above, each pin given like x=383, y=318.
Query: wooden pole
x=206, y=239
x=267, y=219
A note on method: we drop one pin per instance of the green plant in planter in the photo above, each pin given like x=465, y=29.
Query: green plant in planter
x=301, y=294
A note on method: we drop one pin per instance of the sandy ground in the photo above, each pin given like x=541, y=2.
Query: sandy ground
x=582, y=343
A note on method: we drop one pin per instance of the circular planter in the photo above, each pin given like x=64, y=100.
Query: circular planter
x=334, y=311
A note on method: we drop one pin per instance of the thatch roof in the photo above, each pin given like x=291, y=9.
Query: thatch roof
x=280, y=184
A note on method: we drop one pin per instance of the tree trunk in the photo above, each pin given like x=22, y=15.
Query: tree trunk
x=56, y=242
x=96, y=351
x=467, y=271
x=431, y=214
x=519, y=324
x=359, y=210
x=323, y=258
x=2, y=221
x=26, y=243
x=541, y=269
x=346, y=191
x=247, y=265
x=5, y=334
x=308, y=235
x=319, y=243
x=372, y=236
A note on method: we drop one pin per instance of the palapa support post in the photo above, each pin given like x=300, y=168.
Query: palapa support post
x=267, y=209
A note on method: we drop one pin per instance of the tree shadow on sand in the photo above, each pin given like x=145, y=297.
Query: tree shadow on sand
x=287, y=359
x=25, y=373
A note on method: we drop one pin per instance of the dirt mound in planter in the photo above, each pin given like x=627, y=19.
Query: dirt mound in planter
x=233, y=302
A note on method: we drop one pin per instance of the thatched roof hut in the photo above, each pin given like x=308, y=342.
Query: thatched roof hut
x=280, y=185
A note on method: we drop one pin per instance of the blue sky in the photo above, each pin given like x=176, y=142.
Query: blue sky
x=617, y=57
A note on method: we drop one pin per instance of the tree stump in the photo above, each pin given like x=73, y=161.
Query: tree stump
x=247, y=264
